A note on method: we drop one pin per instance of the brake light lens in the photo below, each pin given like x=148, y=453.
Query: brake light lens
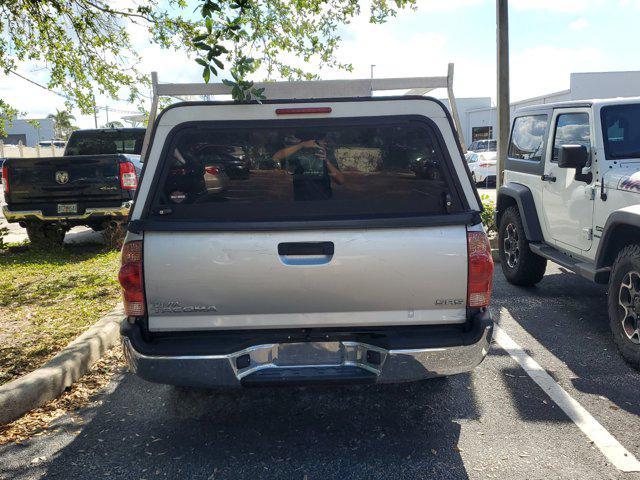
x=128, y=176
x=302, y=110
x=212, y=170
x=130, y=278
x=485, y=165
x=480, y=273
x=5, y=178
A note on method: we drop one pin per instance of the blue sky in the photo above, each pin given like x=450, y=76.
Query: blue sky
x=549, y=40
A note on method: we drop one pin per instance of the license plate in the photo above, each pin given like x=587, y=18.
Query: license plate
x=67, y=208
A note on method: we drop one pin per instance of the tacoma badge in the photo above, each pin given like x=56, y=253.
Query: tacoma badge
x=175, y=307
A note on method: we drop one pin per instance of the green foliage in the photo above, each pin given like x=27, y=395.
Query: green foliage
x=250, y=34
x=49, y=297
x=113, y=124
x=4, y=231
x=63, y=123
x=489, y=214
x=7, y=112
x=85, y=45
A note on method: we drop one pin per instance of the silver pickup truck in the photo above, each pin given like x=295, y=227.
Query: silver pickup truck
x=351, y=250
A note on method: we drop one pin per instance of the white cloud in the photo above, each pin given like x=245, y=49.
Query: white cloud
x=556, y=6
x=446, y=5
x=420, y=54
x=579, y=24
x=543, y=69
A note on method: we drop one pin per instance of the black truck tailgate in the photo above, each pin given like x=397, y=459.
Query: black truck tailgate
x=82, y=178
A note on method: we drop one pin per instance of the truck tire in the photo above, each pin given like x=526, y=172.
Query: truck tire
x=42, y=235
x=520, y=265
x=624, y=304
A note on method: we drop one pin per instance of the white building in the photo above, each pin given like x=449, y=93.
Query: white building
x=465, y=107
x=583, y=86
x=22, y=130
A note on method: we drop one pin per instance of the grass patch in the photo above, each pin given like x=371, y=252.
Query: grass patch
x=47, y=298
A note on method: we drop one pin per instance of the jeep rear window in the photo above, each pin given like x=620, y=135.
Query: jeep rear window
x=295, y=170
x=621, y=129
x=527, y=137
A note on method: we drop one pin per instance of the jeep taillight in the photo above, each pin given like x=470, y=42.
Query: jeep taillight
x=130, y=278
x=5, y=178
x=480, y=274
x=128, y=176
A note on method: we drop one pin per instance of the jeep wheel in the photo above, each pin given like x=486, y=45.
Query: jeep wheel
x=624, y=304
x=42, y=236
x=519, y=264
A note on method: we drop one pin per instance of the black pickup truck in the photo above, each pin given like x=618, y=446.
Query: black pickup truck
x=93, y=184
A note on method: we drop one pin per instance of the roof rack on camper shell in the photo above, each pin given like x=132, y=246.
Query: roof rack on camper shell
x=309, y=89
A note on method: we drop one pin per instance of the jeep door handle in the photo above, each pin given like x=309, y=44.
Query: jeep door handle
x=548, y=178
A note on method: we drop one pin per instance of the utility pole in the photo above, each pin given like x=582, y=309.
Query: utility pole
x=95, y=112
x=106, y=109
x=504, y=108
x=372, y=67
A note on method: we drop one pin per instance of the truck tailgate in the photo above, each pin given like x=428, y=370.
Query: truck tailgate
x=64, y=179
x=208, y=280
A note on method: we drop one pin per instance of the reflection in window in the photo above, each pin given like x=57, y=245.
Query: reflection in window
x=571, y=129
x=299, y=173
x=527, y=138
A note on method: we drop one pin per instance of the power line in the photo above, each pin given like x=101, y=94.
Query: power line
x=67, y=97
x=39, y=85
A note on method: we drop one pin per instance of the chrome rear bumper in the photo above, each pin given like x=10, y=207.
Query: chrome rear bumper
x=22, y=215
x=309, y=362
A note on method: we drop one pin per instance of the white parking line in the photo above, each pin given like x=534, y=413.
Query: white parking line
x=619, y=456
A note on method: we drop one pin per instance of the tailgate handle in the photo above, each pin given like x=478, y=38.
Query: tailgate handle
x=305, y=248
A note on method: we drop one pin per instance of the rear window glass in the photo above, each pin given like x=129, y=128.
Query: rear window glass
x=105, y=142
x=527, y=137
x=621, y=128
x=284, y=171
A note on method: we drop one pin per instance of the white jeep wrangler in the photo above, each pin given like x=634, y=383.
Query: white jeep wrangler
x=570, y=195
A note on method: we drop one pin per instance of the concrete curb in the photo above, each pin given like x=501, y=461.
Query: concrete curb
x=49, y=381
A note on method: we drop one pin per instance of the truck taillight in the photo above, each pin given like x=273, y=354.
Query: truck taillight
x=128, y=176
x=5, y=178
x=302, y=110
x=130, y=278
x=212, y=170
x=480, y=273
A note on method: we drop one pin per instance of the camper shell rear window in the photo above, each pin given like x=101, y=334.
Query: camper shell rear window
x=305, y=170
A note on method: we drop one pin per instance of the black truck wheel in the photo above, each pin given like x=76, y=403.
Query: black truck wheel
x=519, y=264
x=624, y=304
x=43, y=235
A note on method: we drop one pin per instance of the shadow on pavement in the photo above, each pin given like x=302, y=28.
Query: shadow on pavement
x=568, y=316
x=143, y=430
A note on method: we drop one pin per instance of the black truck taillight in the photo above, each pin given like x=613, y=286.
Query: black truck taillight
x=128, y=176
x=480, y=273
x=130, y=278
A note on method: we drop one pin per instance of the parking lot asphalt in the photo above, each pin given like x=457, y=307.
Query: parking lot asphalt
x=495, y=422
